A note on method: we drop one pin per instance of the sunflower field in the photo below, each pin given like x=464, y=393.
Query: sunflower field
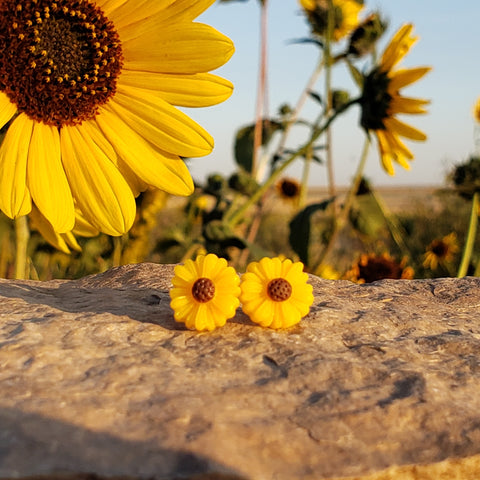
x=95, y=151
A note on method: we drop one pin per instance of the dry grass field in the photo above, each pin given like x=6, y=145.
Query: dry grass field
x=398, y=199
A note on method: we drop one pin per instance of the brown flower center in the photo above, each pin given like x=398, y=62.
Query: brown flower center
x=375, y=100
x=203, y=290
x=59, y=60
x=440, y=249
x=289, y=188
x=279, y=289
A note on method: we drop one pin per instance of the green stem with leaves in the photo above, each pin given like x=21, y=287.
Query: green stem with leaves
x=234, y=218
x=470, y=240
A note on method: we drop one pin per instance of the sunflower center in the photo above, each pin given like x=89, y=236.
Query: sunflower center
x=290, y=188
x=203, y=290
x=439, y=248
x=279, y=289
x=375, y=100
x=59, y=60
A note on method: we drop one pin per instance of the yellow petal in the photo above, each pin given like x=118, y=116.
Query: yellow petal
x=398, y=146
x=400, y=104
x=14, y=195
x=402, y=78
x=156, y=12
x=398, y=47
x=196, y=90
x=404, y=130
x=178, y=48
x=71, y=241
x=158, y=169
x=7, y=109
x=160, y=123
x=44, y=227
x=101, y=192
x=83, y=227
x=93, y=131
x=386, y=155
x=108, y=6
x=265, y=314
x=46, y=178
x=308, y=5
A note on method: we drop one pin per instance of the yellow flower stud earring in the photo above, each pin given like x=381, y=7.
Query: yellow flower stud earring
x=205, y=292
x=275, y=293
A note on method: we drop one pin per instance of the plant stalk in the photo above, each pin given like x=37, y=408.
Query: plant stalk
x=471, y=234
x=347, y=205
x=22, y=235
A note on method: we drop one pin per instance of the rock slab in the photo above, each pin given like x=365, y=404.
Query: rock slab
x=379, y=381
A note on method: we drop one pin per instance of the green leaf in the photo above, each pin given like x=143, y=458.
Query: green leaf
x=355, y=73
x=316, y=96
x=300, y=228
x=366, y=217
x=244, y=139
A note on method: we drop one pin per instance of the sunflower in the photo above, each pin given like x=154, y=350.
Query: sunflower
x=275, y=292
x=88, y=91
x=381, y=101
x=345, y=16
x=205, y=292
x=372, y=267
x=441, y=251
x=289, y=190
x=476, y=111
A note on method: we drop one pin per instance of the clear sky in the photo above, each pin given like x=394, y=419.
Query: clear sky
x=449, y=42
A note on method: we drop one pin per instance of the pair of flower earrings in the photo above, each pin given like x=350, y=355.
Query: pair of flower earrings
x=207, y=292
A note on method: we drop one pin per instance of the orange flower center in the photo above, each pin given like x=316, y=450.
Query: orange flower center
x=279, y=289
x=203, y=290
x=59, y=60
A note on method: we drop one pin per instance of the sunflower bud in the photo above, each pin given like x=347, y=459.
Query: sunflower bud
x=215, y=184
x=243, y=182
x=345, y=16
x=364, y=37
x=466, y=177
x=339, y=99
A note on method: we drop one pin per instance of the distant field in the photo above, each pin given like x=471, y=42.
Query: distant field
x=398, y=198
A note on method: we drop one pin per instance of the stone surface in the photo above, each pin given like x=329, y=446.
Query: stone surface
x=379, y=381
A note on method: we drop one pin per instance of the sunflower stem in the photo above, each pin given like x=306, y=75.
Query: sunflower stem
x=328, y=105
x=305, y=175
x=471, y=234
x=22, y=235
x=298, y=107
x=396, y=230
x=261, y=105
x=117, y=251
x=189, y=254
x=347, y=205
x=234, y=218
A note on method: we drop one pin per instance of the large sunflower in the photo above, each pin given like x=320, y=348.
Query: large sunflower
x=87, y=90
x=381, y=101
x=345, y=16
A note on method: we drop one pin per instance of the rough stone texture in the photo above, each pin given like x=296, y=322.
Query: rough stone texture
x=379, y=381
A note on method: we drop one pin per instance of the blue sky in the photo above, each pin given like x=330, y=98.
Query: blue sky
x=449, y=40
